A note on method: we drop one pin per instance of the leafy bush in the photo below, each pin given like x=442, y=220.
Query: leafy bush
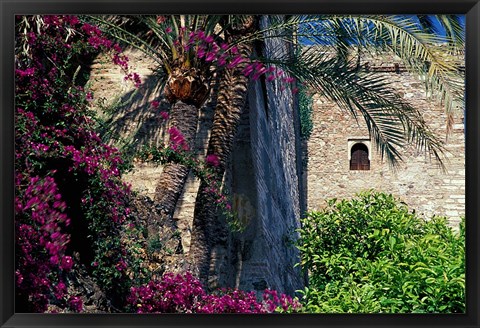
x=371, y=255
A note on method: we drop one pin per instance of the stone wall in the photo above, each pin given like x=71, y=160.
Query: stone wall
x=264, y=179
x=418, y=182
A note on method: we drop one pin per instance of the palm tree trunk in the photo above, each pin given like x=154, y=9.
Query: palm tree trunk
x=207, y=231
x=169, y=188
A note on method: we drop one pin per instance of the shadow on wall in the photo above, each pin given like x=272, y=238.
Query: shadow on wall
x=129, y=121
x=128, y=118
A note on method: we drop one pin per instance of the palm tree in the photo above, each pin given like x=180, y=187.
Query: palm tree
x=232, y=93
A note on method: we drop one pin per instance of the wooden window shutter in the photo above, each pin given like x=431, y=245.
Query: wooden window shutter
x=359, y=158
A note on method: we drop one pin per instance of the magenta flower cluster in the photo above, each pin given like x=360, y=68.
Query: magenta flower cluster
x=177, y=140
x=183, y=293
x=225, y=55
x=163, y=114
x=212, y=160
x=100, y=42
x=41, y=240
x=75, y=304
x=172, y=294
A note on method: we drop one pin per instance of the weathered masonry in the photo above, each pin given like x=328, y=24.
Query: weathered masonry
x=342, y=159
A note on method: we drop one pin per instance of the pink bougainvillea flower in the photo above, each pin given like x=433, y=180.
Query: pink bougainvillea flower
x=209, y=39
x=177, y=141
x=168, y=30
x=236, y=61
x=59, y=290
x=256, y=76
x=19, y=277
x=117, y=47
x=201, y=35
x=175, y=134
x=185, y=294
x=75, y=303
x=91, y=30
x=67, y=263
x=164, y=115
x=221, y=61
x=248, y=69
x=54, y=260
x=121, y=265
x=155, y=104
x=212, y=160
x=200, y=52
x=27, y=72
x=137, y=80
x=210, y=56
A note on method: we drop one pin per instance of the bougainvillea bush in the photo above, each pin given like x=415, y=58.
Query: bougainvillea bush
x=183, y=293
x=68, y=192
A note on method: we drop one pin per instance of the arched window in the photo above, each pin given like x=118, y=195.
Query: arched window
x=359, y=157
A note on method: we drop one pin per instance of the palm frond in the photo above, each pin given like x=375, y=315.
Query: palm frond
x=425, y=53
x=128, y=38
x=392, y=123
x=452, y=26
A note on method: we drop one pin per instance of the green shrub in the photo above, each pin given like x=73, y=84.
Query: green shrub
x=305, y=101
x=371, y=255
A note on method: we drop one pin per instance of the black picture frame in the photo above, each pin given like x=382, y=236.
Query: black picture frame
x=10, y=8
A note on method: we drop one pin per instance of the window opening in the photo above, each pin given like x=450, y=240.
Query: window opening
x=359, y=157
